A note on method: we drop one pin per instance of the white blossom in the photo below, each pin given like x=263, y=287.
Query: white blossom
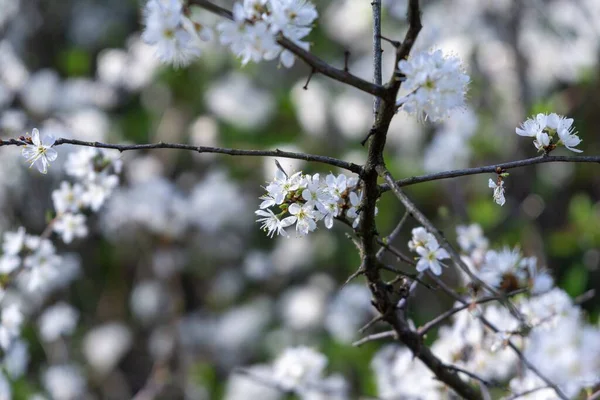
x=70, y=226
x=40, y=153
x=550, y=130
x=166, y=30
x=272, y=224
x=430, y=256
x=252, y=34
x=69, y=197
x=498, y=191
x=435, y=84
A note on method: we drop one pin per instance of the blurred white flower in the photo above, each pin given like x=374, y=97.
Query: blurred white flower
x=166, y=30
x=64, y=382
x=5, y=389
x=16, y=360
x=435, y=84
x=10, y=326
x=242, y=387
x=303, y=308
x=58, y=320
x=70, y=226
x=298, y=367
x=69, y=197
x=227, y=98
x=104, y=346
x=148, y=301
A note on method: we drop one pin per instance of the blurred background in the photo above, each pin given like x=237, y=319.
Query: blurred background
x=176, y=285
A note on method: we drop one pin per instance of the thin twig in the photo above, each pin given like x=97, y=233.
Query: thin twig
x=442, y=317
x=375, y=336
x=395, y=232
x=469, y=373
x=585, y=296
x=203, y=149
x=376, y=4
x=526, y=392
x=490, y=169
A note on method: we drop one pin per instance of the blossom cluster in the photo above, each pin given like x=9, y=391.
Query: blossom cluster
x=436, y=85
x=305, y=199
x=252, y=35
x=95, y=177
x=559, y=343
x=549, y=131
x=506, y=269
x=429, y=251
x=175, y=34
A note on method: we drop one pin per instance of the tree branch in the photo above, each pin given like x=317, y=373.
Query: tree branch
x=442, y=317
x=203, y=149
x=490, y=169
x=376, y=4
x=315, y=62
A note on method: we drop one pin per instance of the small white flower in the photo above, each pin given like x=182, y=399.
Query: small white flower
x=430, y=256
x=566, y=135
x=498, y=191
x=420, y=238
x=305, y=217
x=272, y=224
x=544, y=128
x=165, y=29
x=40, y=153
x=471, y=238
x=336, y=185
x=9, y=263
x=353, y=212
x=13, y=242
x=98, y=191
x=70, y=226
x=68, y=198
x=435, y=84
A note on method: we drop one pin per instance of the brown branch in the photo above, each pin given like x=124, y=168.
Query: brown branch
x=202, y=149
x=442, y=317
x=376, y=4
x=334, y=73
x=375, y=336
x=313, y=61
x=367, y=229
x=490, y=169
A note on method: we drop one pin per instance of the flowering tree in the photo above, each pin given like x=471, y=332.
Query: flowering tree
x=511, y=332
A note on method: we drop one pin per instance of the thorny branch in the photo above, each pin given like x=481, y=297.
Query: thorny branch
x=368, y=230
